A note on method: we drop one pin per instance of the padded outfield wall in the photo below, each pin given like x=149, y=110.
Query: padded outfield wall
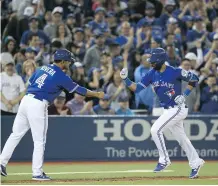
x=113, y=138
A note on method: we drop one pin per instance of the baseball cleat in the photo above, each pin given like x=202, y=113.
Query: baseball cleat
x=42, y=177
x=3, y=171
x=160, y=167
x=194, y=172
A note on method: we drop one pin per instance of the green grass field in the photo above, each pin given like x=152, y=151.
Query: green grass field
x=113, y=173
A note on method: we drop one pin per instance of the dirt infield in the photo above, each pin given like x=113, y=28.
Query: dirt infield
x=110, y=179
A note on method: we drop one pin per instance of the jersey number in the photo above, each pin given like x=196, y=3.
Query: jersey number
x=40, y=80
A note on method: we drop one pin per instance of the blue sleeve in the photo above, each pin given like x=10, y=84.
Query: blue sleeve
x=121, y=40
x=184, y=75
x=68, y=84
x=190, y=36
x=146, y=80
x=139, y=24
x=31, y=79
x=23, y=40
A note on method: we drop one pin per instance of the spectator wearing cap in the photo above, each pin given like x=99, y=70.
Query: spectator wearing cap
x=115, y=5
x=79, y=40
x=9, y=45
x=144, y=35
x=209, y=96
x=156, y=41
x=99, y=22
x=19, y=58
x=114, y=49
x=78, y=74
x=29, y=67
x=126, y=38
x=96, y=79
x=186, y=23
x=116, y=89
x=30, y=53
x=193, y=59
x=169, y=6
x=144, y=99
x=123, y=16
x=196, y=34
x=112, y=22
x=12, y=86
x=71, y=22
x=62, y=35
x=103, y=108
x=177, y=12
x=78, y=105
x=124, y=109
x=214, y=31
x=213, y=50
x=193, y=100
x=92, y=56
x=149, y=16
x=22, y=6
x=23, y=23
x=173, y=55
x=51, y=28
x=58, y=107
x=33, y=25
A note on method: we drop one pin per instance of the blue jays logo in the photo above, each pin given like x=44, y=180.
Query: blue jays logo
x=170, y=93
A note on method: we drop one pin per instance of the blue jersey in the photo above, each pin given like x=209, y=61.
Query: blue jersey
x=167, y=84
x=48, y=82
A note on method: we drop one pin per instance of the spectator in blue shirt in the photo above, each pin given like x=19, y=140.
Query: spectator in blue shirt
x=149, y=16
x=146, y=95
x=126, y=39
x=198, y=33
x=124, y=109
x=170, y=6
x=103, y=108
x=209, y=96
x=33, y=24
x=99, y=20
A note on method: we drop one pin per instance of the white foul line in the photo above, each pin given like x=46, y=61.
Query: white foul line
x=92, y=172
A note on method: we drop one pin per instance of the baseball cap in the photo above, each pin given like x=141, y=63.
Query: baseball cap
x=191, y=56
x=28, y=11
x=31, y=49
x=71, y=16
x=77, y=65
x=114, y=43
x=123, y=98
x=100, y=9
x=106, y=97
x=146, y=23
x=172, y=20
x=35, y=2
x=157, y=39
x=170, y=2
x=198, y=18
x=9, y=38
x=98, y=33
x=33, y=18
x=78, y=30
x=6, y=58
x=149, y=6
x=110, y=14
x=215, y=37
x=90, y=71
x=187, y=18
x=62, y=95
x=57, y=9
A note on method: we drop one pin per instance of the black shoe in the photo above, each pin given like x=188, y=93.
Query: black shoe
x=3, y=171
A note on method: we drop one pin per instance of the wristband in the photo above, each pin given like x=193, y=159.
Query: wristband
x=81, y=90
x=128, y=82
x=187, y=92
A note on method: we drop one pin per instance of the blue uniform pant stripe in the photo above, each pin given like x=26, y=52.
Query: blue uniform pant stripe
x=158, y=133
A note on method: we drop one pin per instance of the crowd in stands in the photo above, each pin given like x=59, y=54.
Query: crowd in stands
x=106, y=36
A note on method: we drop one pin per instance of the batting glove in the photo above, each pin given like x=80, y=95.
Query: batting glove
x=179, y=100
x=124, y=73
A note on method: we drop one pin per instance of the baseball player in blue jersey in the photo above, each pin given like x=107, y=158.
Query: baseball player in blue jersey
x=44, y=86
x=166, y=81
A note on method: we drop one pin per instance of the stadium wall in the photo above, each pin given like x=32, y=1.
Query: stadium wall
x=113, y=138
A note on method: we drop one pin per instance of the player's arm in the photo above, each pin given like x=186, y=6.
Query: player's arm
x=135, y=87
x=71, y=87
x=192, y=80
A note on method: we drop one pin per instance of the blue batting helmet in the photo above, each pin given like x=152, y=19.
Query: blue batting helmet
x=158, y=56
x=64, y=54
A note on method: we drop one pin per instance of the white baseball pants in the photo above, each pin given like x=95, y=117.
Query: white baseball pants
x=172, y=119
x=32, y=114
